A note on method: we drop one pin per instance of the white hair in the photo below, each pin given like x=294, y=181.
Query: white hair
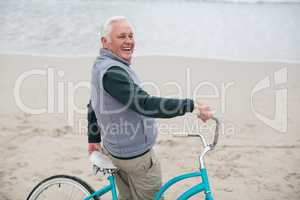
x=106, y=26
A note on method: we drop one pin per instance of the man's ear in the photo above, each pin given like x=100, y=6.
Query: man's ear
x=104, y=41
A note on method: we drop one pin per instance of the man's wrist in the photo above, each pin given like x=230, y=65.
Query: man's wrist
x=196, y=108
x=94, y=147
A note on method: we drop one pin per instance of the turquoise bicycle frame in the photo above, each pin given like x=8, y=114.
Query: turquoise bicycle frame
x=110, y=187
x=202, y=187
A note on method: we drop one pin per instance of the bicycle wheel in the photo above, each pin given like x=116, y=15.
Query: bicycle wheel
x=61, y=187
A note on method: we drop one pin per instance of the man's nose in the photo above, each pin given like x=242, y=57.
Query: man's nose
x=129, y=40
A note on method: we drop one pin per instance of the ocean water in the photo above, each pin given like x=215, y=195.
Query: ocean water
x=238, y=29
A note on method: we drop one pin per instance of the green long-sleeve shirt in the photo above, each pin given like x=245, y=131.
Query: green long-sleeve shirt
x=117, y=82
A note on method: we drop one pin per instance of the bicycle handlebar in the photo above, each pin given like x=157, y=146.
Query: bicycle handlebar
x=210, y=146
x=216, y=136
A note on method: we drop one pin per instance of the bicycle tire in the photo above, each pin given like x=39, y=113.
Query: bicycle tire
x=60, y=180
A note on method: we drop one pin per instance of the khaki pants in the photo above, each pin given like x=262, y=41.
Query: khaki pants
x=138, y=178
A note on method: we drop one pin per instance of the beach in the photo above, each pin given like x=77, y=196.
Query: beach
x=43, y=123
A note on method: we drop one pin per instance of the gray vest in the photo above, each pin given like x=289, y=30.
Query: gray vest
x=124, y=132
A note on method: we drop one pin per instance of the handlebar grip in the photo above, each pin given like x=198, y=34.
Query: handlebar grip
x=216, y=137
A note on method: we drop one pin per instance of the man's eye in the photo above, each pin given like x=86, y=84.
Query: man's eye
x=122, y=36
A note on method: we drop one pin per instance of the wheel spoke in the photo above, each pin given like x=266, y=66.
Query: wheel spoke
x=71, y=195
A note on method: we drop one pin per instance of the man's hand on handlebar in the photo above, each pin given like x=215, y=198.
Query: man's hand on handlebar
x=202, y=111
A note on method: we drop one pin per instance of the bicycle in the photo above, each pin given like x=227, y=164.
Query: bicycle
x=101, y=163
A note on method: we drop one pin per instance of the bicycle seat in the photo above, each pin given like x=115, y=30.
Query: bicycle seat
x=102, y=161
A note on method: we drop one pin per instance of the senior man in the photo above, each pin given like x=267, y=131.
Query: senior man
x=125, y=113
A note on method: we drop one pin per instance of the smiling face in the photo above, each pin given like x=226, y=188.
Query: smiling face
x=121, y=41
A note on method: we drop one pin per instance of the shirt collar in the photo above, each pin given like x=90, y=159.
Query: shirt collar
x=109, y=54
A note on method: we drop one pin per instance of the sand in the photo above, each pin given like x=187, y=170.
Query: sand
x=255, y=158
